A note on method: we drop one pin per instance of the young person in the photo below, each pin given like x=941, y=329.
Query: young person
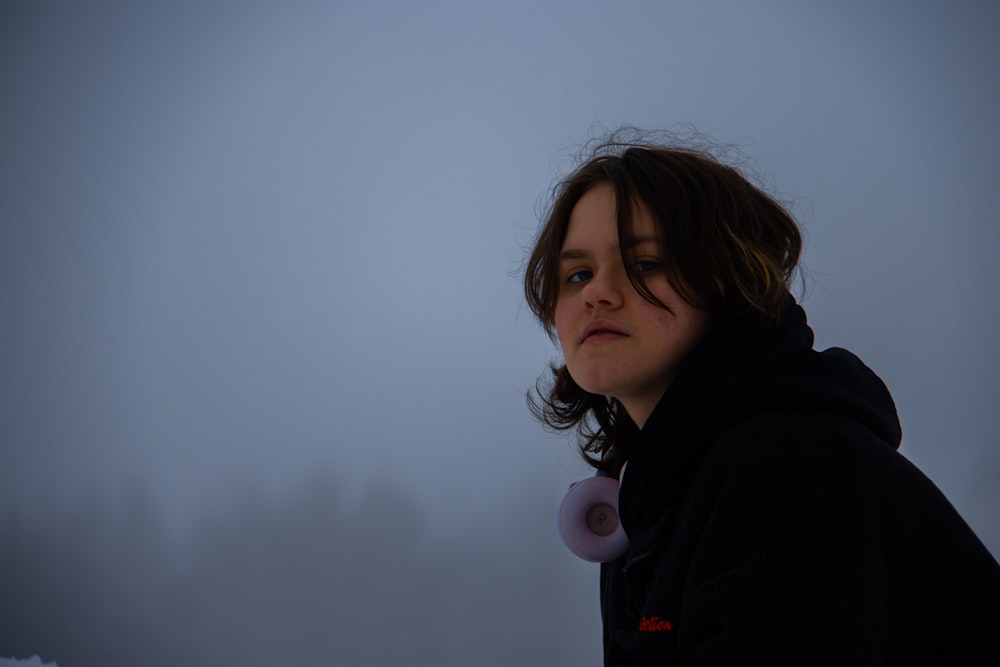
x=770, y=519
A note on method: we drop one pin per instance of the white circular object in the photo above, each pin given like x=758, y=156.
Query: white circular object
x=588, y=520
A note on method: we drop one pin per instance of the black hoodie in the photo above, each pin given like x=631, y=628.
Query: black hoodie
x=773, y=522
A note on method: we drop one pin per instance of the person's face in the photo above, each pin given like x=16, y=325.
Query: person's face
x=615, y=342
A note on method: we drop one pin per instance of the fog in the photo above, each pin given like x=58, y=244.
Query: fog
x=263, y=353
x=303, y=580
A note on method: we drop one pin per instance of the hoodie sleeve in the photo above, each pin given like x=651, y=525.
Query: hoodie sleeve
x=833, y=550
x=759, y=615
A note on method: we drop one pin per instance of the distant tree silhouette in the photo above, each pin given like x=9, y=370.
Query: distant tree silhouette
x=306, y=579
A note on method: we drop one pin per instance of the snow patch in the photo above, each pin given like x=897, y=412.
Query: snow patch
x=33, y=661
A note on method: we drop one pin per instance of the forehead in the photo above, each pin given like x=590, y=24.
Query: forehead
x=593, y=222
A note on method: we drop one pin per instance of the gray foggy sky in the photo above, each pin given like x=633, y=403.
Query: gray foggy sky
x=240, y=241
x=243, y=242
x=246, y=240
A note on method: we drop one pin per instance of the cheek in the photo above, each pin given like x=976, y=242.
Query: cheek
x=690, y=327
x=654, y=318
x=561, y=320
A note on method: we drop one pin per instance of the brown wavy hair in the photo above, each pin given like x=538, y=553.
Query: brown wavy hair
x=728, y=247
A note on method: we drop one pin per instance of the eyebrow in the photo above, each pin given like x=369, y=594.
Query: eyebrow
x=573, y=253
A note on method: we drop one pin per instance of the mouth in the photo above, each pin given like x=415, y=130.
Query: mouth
x=601, y=330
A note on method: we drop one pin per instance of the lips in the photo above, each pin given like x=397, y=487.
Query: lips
x=601, y=330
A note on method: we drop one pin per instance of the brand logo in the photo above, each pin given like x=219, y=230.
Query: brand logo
x=654, y=624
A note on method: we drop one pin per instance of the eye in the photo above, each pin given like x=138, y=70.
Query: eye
x=579, y=276
x=647, y=265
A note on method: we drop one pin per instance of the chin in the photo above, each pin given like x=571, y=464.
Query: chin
x=602, y=381
x=601, y=388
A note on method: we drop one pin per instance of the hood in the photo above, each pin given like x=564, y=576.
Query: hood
x=743, y=369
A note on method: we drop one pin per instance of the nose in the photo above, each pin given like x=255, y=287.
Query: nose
x=605, y=289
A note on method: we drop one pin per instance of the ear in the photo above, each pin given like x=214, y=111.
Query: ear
x=588, y=520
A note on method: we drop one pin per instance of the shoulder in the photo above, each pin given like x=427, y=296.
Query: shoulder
x=815, y=493
x=788, y=490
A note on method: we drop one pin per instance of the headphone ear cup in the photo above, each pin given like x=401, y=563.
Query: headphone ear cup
x=588, y=520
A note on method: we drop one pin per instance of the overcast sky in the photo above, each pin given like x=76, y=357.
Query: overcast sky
x=244, y=245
